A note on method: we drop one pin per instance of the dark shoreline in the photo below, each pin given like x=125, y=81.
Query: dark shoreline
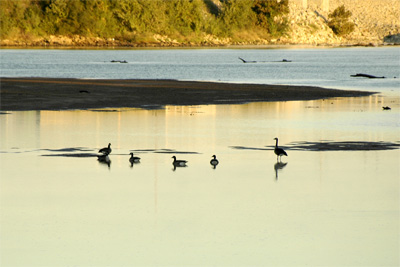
x=63, y=94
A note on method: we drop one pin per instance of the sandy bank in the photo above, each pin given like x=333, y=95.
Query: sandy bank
x=62, y=94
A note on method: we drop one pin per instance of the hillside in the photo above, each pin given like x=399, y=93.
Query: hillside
x=373, y=21
x=190, y=23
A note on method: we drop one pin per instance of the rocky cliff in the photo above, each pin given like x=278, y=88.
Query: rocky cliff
x=373, y=21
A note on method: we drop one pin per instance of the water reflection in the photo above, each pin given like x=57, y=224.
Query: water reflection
x=178, y=166
x=104, y=159
x=157, y=210
x=279, y=166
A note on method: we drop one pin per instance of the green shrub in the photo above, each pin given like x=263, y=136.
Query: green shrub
x=136, y=20
x=339, y=21
x=271, y=15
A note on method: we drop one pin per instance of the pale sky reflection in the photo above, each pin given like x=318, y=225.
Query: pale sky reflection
x=314, y=208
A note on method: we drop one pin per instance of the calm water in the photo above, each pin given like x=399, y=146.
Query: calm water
x=61, y=207
x=322, y=67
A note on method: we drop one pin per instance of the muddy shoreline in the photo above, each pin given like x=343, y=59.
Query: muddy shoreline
x=63, y=94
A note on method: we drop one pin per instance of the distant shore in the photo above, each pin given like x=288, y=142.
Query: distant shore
x=27, y=45
x=63, y=94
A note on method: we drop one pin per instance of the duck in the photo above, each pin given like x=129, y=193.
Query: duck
x=133, y=159
x=178, y=163
x=279, y=152
x=214, y=161
x=106, y=150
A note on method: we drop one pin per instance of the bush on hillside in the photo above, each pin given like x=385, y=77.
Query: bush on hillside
x=339, y=21
x=271, y=15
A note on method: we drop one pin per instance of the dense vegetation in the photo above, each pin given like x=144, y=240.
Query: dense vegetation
x=339, y=21
x=138, y=20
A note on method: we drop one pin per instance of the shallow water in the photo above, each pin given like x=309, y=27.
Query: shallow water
x=335, y=206
x=61, y=207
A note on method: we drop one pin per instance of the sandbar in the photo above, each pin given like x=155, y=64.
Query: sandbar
x=17, y=94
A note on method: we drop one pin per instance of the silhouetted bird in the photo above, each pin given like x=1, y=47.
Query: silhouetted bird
x=214, y=161
x=179, y=163
x=106, y=150
x=133, y=159
x=279, y=151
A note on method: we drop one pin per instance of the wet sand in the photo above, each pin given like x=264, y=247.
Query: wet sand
x=64, y=94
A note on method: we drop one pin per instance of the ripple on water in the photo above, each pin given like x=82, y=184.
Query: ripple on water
x=331, y=146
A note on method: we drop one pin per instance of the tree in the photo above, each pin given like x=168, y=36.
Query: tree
x=270, y=15
x=339, y=21
x=237, y=15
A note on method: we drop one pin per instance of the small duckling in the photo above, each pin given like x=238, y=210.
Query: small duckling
x=386, y=108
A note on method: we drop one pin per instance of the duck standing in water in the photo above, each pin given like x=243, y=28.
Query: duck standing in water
x=133, y=159
x=214, y=161
x=106, y=150
x=179, y=163
x=279, y=151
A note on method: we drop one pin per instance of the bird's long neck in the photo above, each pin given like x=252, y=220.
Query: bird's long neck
x=276, y=144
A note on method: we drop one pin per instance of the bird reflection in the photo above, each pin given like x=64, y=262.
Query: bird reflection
x=279, y=166
x=104, y=159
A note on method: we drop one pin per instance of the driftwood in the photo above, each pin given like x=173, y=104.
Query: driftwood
x=283, y=60
x=367, y=76
x=119, y=61
x=245, y=61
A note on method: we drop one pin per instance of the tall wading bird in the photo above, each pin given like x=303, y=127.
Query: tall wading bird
x=106, y=150
x=279, y=151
